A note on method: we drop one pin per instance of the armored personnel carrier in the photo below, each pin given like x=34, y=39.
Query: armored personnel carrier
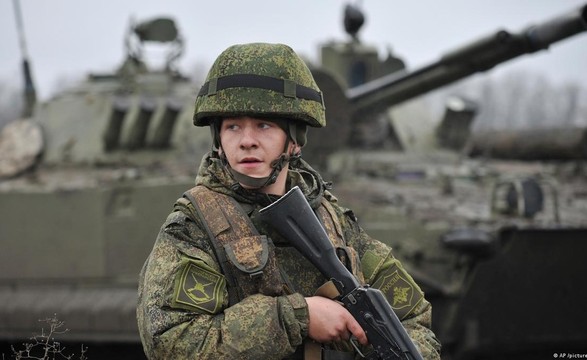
x=87, y=179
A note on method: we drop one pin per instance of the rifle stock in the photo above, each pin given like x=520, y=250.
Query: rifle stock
x=294, y=219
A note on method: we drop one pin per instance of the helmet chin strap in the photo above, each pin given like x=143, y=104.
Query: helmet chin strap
x=277, y=165
x=258, y=183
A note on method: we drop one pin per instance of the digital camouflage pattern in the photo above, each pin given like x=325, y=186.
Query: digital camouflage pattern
x=260, y=326
x=274, y=60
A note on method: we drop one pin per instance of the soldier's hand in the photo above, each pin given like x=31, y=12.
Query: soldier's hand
x=330, y=321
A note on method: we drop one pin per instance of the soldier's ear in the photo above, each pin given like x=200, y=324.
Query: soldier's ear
x=297, y=148
x=294, y=148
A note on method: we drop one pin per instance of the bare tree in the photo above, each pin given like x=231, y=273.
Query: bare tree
x=522, y=100
x=571, y=99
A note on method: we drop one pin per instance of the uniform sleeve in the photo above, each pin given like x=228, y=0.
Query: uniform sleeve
x=384, y=272
x=183, y=308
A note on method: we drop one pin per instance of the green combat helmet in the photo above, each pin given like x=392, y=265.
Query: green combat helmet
x=261, y=80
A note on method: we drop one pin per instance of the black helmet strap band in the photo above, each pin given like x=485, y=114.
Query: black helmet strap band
x=287, y=87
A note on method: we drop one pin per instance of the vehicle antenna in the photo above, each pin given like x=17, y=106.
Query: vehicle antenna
x=30, y=94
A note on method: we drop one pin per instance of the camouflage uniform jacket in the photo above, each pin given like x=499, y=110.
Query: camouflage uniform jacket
x=203, y=325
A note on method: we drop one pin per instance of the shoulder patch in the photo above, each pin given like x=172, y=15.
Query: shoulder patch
x=199, y=288
x=400, y=290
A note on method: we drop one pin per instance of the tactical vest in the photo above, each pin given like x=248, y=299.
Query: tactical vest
x=247, y=259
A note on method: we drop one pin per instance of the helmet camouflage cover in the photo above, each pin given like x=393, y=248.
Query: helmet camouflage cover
x=259, y=79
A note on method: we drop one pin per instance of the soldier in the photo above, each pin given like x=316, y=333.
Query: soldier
x=221, y=284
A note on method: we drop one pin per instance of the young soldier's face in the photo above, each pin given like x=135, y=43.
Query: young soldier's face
x=251, y=144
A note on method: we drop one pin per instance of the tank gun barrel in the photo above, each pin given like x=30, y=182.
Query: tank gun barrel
x=478, y=56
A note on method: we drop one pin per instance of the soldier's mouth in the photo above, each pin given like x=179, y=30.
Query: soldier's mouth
x=249, y=160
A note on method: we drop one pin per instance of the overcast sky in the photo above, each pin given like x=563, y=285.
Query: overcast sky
x=68, y=38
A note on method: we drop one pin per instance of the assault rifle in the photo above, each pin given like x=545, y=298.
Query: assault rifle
x=293, y=217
